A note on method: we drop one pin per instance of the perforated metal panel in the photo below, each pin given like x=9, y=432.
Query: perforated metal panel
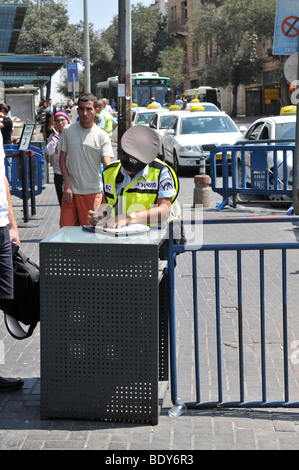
x=99, y=331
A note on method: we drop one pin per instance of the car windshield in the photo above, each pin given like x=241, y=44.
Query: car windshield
x=143, y=118
x=209, y=107
x=206, y=125
x=286, y=130
x=164, y=121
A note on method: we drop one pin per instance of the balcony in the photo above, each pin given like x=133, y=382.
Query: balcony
x=177, y=28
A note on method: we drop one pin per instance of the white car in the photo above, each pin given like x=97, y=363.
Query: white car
x=193, y=135
x=143, y=115
x=264, y=129
x=160, y=122
x=206, y=106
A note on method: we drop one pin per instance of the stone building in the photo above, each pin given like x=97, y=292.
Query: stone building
x=265, y=97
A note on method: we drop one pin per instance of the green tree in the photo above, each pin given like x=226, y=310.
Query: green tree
x=48, y=29
x=234, y=29
x=172, y=62
x=149, y=37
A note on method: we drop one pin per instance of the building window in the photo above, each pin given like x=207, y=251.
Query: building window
x=195, y=52
x=209, y=50
x=184, y=13
x=173, y=13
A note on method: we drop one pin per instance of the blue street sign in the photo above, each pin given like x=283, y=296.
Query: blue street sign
x=72, y=70
x=286, y=32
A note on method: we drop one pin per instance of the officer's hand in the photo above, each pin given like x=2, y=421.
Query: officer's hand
x=117, y=222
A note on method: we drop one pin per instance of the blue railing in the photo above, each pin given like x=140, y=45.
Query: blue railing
x=196, y=334
x=269, y=168
x=13, y=171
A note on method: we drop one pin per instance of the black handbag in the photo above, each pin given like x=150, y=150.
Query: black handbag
x=24, y=308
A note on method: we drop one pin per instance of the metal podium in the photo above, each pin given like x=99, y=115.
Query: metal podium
x=104, y=339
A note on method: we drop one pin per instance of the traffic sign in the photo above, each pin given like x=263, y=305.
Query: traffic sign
x=286, y=31
x=26, y=137
x=291, y=68
x=290, y=26
x=72, y=71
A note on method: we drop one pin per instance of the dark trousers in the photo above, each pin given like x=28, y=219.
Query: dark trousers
x=58, y=181
x=6, y=268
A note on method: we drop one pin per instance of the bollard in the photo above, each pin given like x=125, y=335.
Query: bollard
x=201, y=194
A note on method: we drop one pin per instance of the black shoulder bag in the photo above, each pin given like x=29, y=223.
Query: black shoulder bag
x=24, y=308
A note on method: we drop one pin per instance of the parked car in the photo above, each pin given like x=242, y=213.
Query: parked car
x=143, y=115
x=160, y=122
x=264, y=129
x=193, y=135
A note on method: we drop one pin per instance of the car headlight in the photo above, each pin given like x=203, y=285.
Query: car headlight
x=191, y=148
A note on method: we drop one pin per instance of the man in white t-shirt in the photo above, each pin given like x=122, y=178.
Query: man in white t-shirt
x=86, y=146
x=8, y=233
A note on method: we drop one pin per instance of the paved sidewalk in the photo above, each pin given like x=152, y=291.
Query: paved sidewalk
x=210, y=429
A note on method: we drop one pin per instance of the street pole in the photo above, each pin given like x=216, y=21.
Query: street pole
x=41, y=88
x=296, y=152
x=125, y=71
x=86, y=50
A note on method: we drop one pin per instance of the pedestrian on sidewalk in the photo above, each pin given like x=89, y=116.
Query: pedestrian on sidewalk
x=8, y=233
x=86, y=147
x=61, y=120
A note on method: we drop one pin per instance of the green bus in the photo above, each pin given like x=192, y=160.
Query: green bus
x=144, y=86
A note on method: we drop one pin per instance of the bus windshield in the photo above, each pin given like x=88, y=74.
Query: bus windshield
x=143, y=94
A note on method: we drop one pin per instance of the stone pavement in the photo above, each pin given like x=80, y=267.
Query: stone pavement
x=208, y=429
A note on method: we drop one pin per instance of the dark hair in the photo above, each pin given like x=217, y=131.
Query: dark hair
x=4, y=107
x=47, y=117
x=88, y=97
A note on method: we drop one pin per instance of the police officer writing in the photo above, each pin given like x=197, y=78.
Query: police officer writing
x=139, y=188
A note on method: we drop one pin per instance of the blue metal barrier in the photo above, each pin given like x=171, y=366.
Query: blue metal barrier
x=239, y=249
x=267, y=164
x=13, y=169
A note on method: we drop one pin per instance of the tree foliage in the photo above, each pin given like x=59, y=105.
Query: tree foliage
x=172, y=62
x=48, y=29
x=235, y=29
x=149, y=37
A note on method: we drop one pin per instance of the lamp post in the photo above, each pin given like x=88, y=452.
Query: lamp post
x=86, y=50
x=125, y=68
x=41, y=88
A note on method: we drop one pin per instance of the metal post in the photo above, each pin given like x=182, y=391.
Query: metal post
x=24, y=185
x=24, y=177
x=86, y=50
x=296, y=155
x=125, y=71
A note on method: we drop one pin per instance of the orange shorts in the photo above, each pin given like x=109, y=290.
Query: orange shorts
x=75, y=213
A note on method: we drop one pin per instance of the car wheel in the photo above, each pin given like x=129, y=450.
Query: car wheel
x=276, y=197
x=176, y=165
